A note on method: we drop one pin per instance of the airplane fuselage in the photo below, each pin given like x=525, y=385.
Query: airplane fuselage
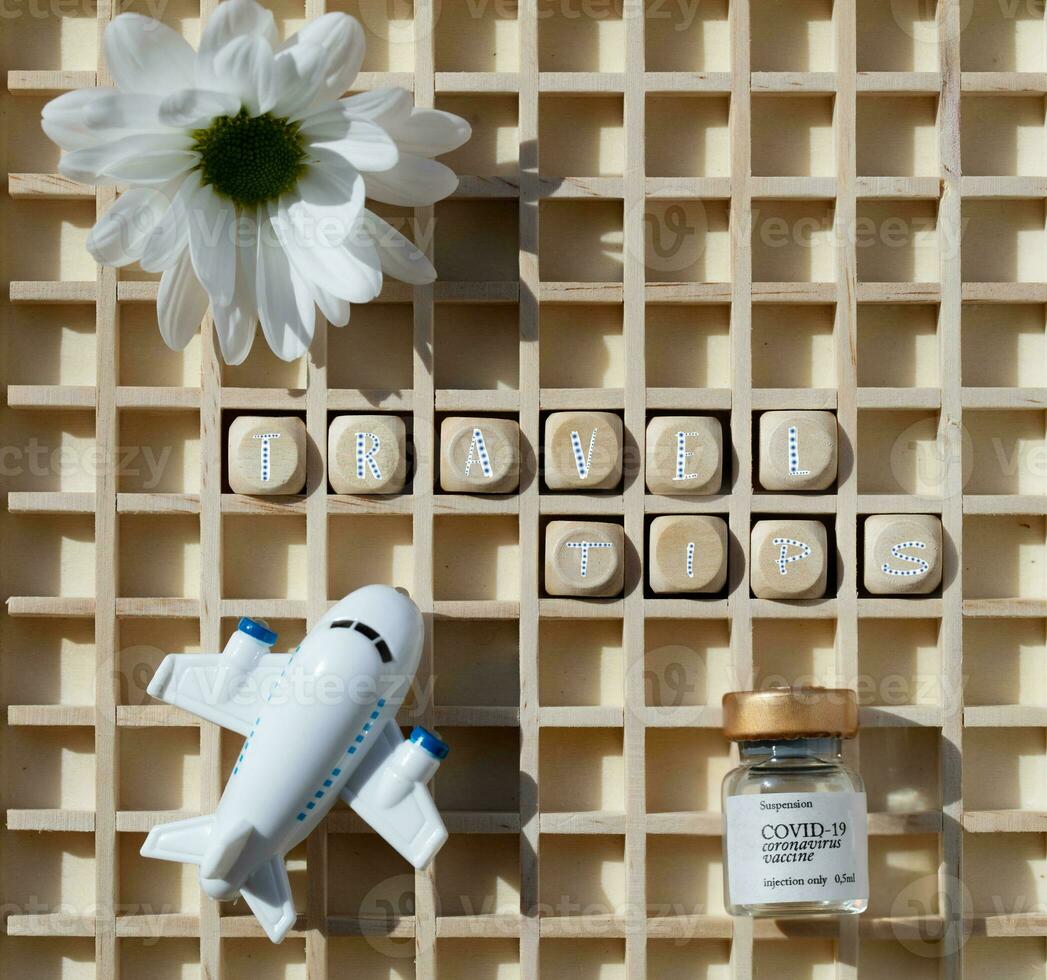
x=314, y=726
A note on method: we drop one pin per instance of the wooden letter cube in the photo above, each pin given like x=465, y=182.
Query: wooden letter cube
x=684, y=454
x=267, y=455
x=367, y=454
x=903, y=554
x=584, y=558
x=797, y=450
x=480, y=455
x=688, y=553
x=583, y=451
x=788, y=560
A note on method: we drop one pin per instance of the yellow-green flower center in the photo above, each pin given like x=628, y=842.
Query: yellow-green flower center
x=250, y=159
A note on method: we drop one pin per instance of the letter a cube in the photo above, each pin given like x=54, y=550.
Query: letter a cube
x=479, y=455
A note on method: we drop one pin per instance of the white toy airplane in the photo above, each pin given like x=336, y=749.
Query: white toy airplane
x=319, y=723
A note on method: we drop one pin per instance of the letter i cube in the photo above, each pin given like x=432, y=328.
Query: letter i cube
x=267, y=455
x=684, y=454
x=479, y=455
x=903, y=554
x=788, y=560
x=798, y=450
x=584, y=558
x=367, y=454
x=687, y=553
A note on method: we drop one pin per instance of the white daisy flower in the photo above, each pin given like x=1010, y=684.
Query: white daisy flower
x=247, y=172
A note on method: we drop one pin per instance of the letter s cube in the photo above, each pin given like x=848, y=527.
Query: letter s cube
x=903, y=554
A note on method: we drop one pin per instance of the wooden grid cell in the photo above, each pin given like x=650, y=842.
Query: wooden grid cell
x=898, y=346
x=793, y=136
x=1003, y=346
x=493, y=149
x=688, y=136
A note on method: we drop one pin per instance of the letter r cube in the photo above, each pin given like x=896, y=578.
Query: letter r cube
x=367, y=454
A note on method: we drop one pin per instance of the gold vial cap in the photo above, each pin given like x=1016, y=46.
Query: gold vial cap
x=790, y=712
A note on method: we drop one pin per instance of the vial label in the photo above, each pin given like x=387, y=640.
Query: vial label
x=797, y=847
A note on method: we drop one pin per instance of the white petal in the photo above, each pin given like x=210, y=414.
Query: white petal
x=236, y=328
x=381, y=105
x=337, y=120
x=192, y=108
x=236, y=323
x=350, y=270
x=105, y=162
x=299, y=75
x=87, y=116
x=400, y=257
x=414, y=182
x=285, y=304
x=366, y=146
x=344, y=45
x=245, y=69
x=146, y=57
x=121, y=233
x=171, y=234
x=430, y=132
x=212, y=244
x=233, y=19
x=180, y=304
x=326, y=206
x=335, y=310
x=153, y=168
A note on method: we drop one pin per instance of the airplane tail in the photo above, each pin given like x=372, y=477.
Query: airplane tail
x=185, y=841
x=194, y=841
x=268, y=893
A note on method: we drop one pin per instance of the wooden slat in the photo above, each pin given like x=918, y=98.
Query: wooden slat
x=531, y=289
x=43, y=83
x=633, y=637
x=950, y=229
x=845, y=336
x=107, y=578
x=423, y=530
x=316, y=543
x=743, y=295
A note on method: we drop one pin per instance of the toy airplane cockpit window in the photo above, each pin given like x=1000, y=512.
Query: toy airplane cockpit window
x=319, y=724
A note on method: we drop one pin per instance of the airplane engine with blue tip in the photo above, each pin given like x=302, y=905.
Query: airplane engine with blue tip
x=318, y=724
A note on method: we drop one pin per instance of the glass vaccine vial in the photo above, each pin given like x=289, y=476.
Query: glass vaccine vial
x=795, y=839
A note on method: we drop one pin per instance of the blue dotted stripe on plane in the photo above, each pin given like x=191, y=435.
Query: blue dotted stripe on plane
x=336, y=772
x=258, y=720
x=247, y=745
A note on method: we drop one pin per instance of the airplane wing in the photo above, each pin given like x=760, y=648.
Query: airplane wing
x=207, y=685
x=398, y=807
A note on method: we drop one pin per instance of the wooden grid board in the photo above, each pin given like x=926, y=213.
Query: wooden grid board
x=723, y=207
